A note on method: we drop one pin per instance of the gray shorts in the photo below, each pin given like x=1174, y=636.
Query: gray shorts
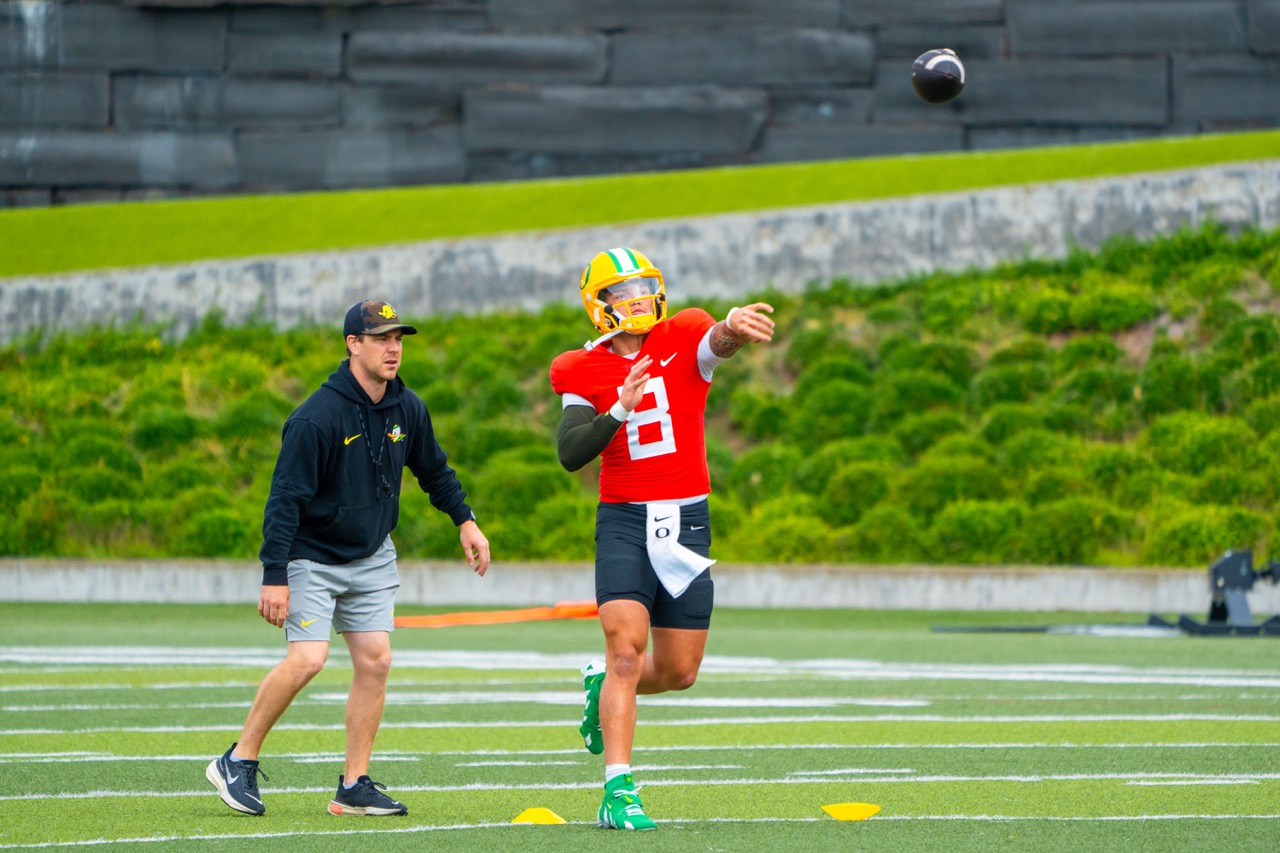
x=356, y=596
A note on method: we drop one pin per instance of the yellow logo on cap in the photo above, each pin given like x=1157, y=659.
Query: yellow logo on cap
x=388, y=312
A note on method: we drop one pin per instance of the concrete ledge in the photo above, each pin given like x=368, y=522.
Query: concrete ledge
x=530, y=584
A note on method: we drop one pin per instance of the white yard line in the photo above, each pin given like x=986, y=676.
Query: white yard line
x=860, y=777
x=695, y=721
x=836, y=668
x=77, y=756
x=408, y=830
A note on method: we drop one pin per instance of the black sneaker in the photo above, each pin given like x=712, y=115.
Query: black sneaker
x=366, y=798
x=237, y=783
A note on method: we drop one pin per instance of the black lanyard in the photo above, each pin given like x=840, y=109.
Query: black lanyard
x=382, y=448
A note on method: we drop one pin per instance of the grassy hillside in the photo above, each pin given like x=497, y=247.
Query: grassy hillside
x=1121, y=408
x=63, y=239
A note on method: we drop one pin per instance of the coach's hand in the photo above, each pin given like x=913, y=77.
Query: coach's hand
x=474, y=546
x=274, y=604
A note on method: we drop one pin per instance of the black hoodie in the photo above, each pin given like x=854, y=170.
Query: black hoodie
x=335, y=494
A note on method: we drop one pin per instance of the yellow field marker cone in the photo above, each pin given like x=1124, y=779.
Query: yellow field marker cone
x=851, y=811
x=538, y=815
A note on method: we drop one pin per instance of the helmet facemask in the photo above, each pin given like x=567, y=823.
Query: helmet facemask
x=623, y=292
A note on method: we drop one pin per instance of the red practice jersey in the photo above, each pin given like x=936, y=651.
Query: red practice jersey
x=660, y=452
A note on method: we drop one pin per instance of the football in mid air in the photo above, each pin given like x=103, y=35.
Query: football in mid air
x=937, y=75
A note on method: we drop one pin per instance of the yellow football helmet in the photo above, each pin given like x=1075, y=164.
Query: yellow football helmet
x=623, y=292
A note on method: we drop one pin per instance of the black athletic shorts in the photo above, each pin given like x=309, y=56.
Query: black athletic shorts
x=623, y=570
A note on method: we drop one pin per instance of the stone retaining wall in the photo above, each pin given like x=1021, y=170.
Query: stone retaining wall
x=538, y=584
x=715, y=256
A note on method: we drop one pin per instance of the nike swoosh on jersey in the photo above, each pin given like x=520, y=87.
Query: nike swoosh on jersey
x=306, y=622
x=665, y=361
x=353, y=438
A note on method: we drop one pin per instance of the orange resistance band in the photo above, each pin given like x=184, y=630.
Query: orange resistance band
x=562, y=610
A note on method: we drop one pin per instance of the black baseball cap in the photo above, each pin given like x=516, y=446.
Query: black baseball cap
x=374, y=318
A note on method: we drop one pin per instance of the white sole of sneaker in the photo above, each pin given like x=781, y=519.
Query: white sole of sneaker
x=337, y=808
x=215, y=778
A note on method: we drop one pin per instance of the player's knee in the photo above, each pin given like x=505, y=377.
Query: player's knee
x=376, y=665
x=626, y=663
x=682, y=679
x=306, y=666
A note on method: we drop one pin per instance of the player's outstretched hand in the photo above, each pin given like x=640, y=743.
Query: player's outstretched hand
x=750, y=324
x=474, y=546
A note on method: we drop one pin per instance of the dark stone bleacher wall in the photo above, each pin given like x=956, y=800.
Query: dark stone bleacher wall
x=103, y=100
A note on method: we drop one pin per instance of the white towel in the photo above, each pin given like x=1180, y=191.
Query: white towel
x=675, y=565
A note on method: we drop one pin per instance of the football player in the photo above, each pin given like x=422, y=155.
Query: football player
x=636, y=397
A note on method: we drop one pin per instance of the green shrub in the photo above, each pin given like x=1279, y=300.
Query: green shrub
x=1189, y=442
x=975, y=531
x=1010, y=383
x=1004, y=420
x=934, y=483
x=1144, y=487
x=826, y=369
x=816, y=469
x=917, y=433
x=1197, y=535
x=1045, y=311
x=1035, y=449
x=97, y=450
x=1021, y=351
x=471, y=443
x=815, y=341
x=910, y=392
x=1235, y=486
x=787, y=529
x=499, y=394
x=227, y=374
x=1090, y=350
x=443, y=397
x=17, y=483
x=254, y=415
x=720, y=459
x=958, y=444
x=946, y=307
x=561, y=528
x=91, y=485
x=1071, y=531
x=836, y=409
x=764, y=472
x=219, y=532
x=1098, y=387
x=1108, y=465
x=1112, y=308
x=1246, y=337
x=758, y=415
x=163, y=430
x=1256, y=381
x=853, y=489
x=1047, y=485
x=39, y=522
x=1263, y=416
x=1167, y=385
x=952, y=359
x=1220, y=315
x=887, y=533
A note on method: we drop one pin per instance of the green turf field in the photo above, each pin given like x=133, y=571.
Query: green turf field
x=1068, y=741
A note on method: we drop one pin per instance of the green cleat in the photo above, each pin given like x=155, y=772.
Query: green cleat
x=592, y=681
x=621, y=807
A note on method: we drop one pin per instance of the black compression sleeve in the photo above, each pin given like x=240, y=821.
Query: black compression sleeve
x=583, y=435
